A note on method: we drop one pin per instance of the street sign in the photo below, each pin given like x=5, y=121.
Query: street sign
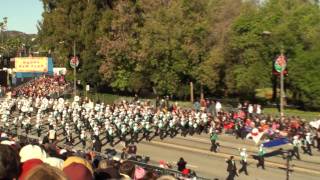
x=280, y=64
x=87, y=87
x=74, y=62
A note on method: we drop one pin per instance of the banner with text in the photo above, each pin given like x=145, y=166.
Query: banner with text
x=31, y=64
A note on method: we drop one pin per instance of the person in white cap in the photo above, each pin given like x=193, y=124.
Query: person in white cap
x=243, y=161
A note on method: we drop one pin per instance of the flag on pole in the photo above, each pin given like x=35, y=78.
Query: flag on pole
x=255, y=135
x=315, y=124
x=276, y=142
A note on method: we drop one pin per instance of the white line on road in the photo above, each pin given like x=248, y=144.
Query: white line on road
x=192, y=166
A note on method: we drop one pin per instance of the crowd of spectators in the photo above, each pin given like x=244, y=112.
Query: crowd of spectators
x=31, y=160
x=43, y=86
x=242, y=120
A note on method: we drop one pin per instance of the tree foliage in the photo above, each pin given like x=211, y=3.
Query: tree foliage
x=163, y=45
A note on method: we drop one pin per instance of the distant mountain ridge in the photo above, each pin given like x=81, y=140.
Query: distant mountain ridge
x=13, y=33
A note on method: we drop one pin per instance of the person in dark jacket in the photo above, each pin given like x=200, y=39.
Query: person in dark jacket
x=97, y=145
x=232, y=168
x=181, y=164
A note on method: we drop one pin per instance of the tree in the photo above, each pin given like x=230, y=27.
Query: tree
x=65, y=22
x=292, y=24
x=120, y=47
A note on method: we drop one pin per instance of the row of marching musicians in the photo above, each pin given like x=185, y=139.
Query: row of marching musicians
x=84, y=119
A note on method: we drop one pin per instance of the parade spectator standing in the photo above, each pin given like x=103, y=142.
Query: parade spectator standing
x=132, y=149
x=250, y=110
x=218, y=107
x=196, y=106
x=211, y=108
x=181, y=164
x=157, y=103
x=258, y=110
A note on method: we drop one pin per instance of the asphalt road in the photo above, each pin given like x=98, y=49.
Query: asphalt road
x=212, y=165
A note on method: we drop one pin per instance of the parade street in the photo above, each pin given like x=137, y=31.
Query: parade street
x=195, y=150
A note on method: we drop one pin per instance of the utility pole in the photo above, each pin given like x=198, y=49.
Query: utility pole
x=282, y=95
x=201, y=92
x=74, y=70
x=191, y=92
x=288, y=155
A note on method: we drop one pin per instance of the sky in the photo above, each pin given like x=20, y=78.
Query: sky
x=23, y=15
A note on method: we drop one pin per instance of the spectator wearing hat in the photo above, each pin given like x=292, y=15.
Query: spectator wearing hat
x=31, y=157
x=79, y=165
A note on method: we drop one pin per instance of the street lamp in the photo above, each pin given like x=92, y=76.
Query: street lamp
x=74, y=63
x=282, y=95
